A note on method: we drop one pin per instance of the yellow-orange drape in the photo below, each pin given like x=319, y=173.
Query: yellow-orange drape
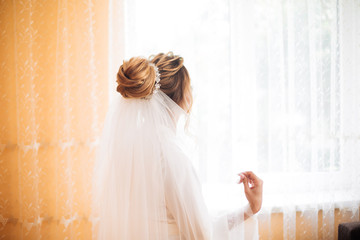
x=53, y=100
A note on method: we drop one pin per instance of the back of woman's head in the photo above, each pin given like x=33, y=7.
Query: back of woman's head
x=136, y=78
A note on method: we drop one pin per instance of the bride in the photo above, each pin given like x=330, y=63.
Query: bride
x=144, y=184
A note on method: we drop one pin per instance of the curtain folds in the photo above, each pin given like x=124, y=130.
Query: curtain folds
x=275, y=87
x=54, y=93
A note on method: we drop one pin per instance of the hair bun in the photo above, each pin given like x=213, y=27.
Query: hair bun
x=136, y=78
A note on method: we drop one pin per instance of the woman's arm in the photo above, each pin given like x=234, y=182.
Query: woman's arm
x=185, y=202
x=238, y=216
x=253, y=187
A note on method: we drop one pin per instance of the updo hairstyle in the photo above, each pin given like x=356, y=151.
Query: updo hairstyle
x=136, y=78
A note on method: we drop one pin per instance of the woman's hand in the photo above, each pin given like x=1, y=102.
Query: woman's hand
x=253, y=188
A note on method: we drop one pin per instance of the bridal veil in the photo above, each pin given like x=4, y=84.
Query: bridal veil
x=144, y=184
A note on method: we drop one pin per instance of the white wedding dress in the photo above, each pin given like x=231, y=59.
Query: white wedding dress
x=144, y=184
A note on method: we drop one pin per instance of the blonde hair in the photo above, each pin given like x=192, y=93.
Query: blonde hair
x=136, y=78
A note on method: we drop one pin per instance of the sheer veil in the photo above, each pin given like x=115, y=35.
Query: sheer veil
x=130, y=175
x=142, y=177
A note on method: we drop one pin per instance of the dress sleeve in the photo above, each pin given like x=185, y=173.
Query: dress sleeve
x=232, y=225
x=185, y=202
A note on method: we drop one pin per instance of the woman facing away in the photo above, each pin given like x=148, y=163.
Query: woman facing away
x=144, y=185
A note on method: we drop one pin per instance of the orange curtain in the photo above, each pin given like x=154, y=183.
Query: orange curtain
x=53, y=98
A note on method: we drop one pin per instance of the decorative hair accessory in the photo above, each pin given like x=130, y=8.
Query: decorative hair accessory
x=157, y=78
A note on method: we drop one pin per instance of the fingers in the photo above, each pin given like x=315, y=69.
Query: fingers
x=250, y=175
x=254, y=179
x=251, y=178
x=246, y=185
x=242, y=177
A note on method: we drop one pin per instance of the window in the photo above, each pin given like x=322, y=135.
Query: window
x=270, y=86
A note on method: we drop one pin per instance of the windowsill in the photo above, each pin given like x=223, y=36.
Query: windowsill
x=277, y=203
x=231, y=196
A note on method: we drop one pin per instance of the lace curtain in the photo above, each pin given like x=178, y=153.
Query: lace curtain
x=276, y=91
x=53, y=98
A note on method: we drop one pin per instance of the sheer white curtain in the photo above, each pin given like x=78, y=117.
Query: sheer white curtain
x=276, y=87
